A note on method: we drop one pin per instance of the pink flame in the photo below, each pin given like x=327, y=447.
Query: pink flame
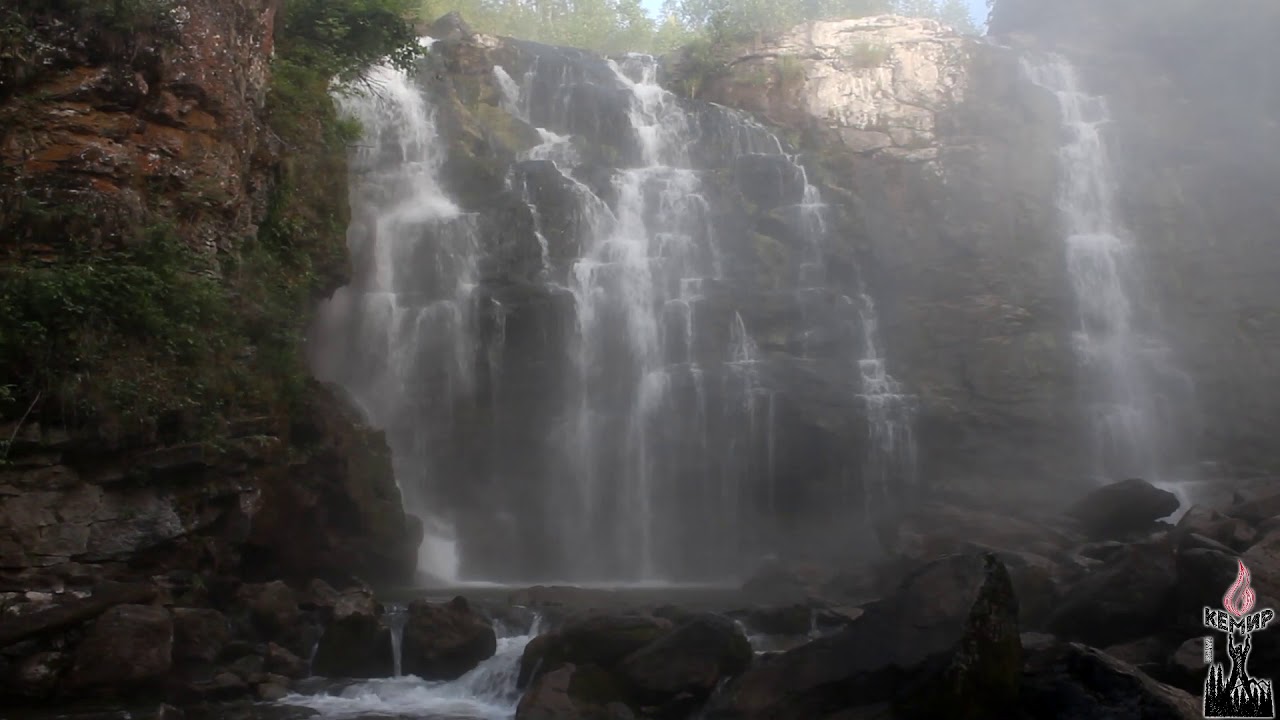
x=1240, y=597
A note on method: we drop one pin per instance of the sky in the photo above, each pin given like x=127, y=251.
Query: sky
x=977, y=8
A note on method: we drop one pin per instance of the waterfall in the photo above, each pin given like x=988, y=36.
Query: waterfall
x=1134, y=391
x=583, y=385
x=405, y=316
x=396, y=617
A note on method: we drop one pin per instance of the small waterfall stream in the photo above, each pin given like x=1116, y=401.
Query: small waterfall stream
x=396, y=616
x=1135, y=393
x=488, y=692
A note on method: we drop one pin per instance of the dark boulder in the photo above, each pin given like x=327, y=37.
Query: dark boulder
x=199, y=634
x=355, y=643
x=600, y=640
x=1263, y=561
x=445, y=641
x=128, y=647
x=281, y=661
x=685, y=665
x=35, y=676
x=1204, y=575
x=1256, y=507
x=1121, y=509
x=1071, y=681
x=1126, y=598
x=945, y=644
x=568, y=693
x=273, y=607
x=1233, y=532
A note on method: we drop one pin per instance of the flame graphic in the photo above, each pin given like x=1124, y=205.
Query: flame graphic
x=1240, y=597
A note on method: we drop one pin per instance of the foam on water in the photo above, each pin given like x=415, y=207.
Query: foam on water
x=486, y=693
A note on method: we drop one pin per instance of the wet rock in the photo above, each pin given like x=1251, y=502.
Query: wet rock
x=444, y=641
x=1128, y=597
x=65, y=613
x=1232, y=532
x=199, y=634
x=1070, y=681
x=320, y=596
x=1203, y=577
x=282, y=662
x=1118, y=510
x=600, y=640
x=273, y=605
x=946, y=642
x=38, y=675
x=1147, y=654
x=686, y=664
x=778, y=582
x=549, y=699
x=355, y=643
x=1263, y=561
x=248, y=667
x=1185, y=669
x=786, y=620
x=1256, y=507
x=128, y=646
x=271, y=692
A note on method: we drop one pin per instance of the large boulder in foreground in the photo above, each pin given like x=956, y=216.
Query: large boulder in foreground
x=1128, y=597
x=686, y=665
x=600, y=640
x=1070, y=681
x=355, y=643
x=945, y=644
x=445, y=641
x=1119, y=510
x=129, y=647
x=622, y=666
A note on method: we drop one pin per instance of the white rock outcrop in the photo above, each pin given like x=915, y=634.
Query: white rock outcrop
x=880, y=81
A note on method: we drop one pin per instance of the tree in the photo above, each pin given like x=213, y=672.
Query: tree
x=955, y=13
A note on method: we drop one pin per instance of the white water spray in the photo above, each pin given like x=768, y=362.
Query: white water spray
x=1132, y=385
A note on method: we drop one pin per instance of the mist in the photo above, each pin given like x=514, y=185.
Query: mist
x=491, y=360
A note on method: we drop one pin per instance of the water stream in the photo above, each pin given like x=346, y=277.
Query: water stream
x=488, y=692
x=1134, y=391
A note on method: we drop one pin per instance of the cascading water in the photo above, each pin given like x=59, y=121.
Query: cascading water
x=1135, y=392
x=396, y=617
x=401, y=330
x=488, y=692
x=605, y=412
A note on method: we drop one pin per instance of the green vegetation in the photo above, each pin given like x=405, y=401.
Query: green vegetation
x=141, y=336
x=614, y=26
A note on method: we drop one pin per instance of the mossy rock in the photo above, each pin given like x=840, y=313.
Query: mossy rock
x=599, y=640
x=506, y=132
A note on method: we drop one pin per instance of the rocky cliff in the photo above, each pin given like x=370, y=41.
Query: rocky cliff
x=1193, y=106
x=943, y=167
x=157, y=415
x=946, y=157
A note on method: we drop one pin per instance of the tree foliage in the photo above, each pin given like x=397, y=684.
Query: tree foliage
x=613, y=26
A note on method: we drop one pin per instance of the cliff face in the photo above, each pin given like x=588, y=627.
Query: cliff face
x=943, y=165
x=151, y=422
x=945, y=155
x=1193, y=105
x=664, y=312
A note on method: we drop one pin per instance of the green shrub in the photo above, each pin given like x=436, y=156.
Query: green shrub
x=144, y=338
